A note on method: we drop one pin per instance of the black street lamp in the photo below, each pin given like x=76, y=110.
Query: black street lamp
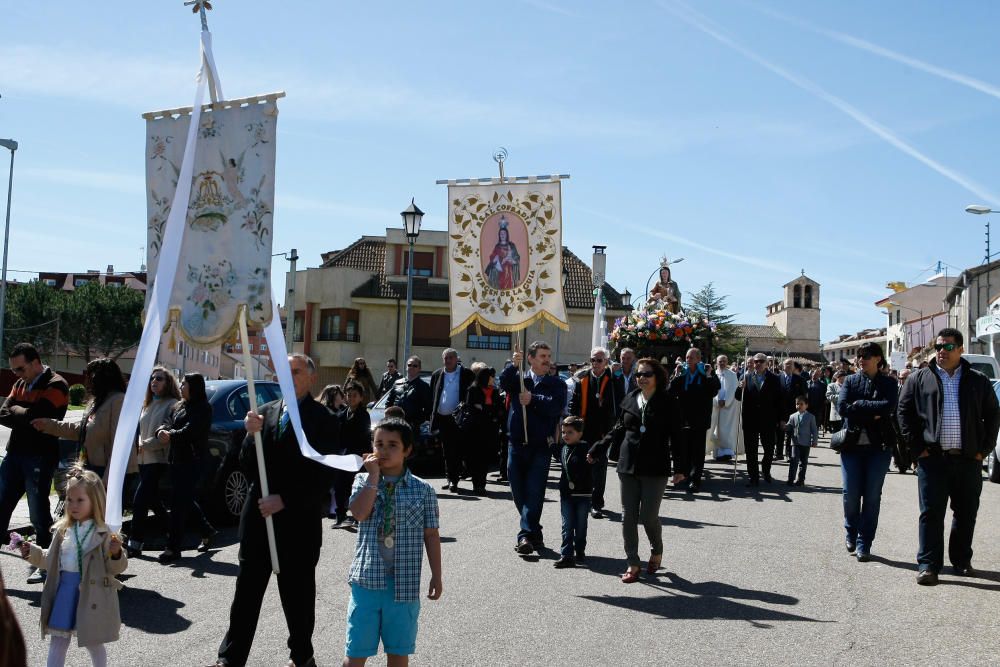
x=412, y=217
x=10, y=145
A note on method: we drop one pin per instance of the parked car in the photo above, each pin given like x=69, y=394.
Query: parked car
x=427, y=453
x=991, y=462
x=223, y=488
x=985, y=364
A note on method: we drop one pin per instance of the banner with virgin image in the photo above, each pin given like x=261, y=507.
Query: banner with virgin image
x=505, y=255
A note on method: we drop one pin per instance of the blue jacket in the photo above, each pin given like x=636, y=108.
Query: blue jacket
x=548, y=398
x=862, y=399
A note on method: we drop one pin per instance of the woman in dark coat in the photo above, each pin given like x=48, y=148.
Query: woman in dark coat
x=646, y=419
x=867, y=401
x=186, y=431
x=355, y=438
x=483, y=433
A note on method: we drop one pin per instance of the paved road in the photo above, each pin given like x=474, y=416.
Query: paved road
x=750, y=579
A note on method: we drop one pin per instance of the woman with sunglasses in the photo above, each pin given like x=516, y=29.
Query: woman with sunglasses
x=867, y=403
x=162, y=393
x=642, y=431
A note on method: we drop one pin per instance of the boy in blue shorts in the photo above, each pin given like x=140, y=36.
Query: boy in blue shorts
x=398, y=515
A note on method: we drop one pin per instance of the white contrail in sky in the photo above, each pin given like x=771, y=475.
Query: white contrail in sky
x=701, y=22
x=864, y=45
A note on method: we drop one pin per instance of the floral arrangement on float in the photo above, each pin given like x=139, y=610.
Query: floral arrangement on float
x=656, y=325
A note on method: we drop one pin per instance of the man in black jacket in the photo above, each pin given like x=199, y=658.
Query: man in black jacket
x=760, y=391
x=413, y=395
x=297, y=502
x=388, y=378
x=949, y=418
x=595, y=399
x=693, y=390
x=449, y=387
x=31, y=456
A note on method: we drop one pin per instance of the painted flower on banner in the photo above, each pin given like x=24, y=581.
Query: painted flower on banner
x=211, y=290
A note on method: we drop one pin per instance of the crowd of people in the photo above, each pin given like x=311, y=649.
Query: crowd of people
x=653, y=423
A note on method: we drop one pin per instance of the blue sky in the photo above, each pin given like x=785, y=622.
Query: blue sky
x=754, y=139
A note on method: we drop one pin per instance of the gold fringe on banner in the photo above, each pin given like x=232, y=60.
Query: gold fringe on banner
x=508, y=328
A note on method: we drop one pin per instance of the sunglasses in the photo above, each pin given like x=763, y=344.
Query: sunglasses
x=413, y=365
x=947, y=347
x=157, y=378
x=644, y=374
x=759, y=361
x=597, y=360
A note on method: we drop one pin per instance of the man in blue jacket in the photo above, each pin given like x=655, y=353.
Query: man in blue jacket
x=542, y=401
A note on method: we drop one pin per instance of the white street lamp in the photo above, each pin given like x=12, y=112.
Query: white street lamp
x=10, y=145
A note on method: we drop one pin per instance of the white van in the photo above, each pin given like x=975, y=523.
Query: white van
x=985, y=364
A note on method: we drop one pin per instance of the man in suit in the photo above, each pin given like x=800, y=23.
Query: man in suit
x=449, y=387
x=542, y=401
x=760, y=391
x=413, y=395
x=595, y=399
x=626, y=381
x=693, y=389
x=792, y=386
x=297, y=504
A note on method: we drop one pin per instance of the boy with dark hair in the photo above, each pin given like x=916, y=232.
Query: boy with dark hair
x=399, y=520
x=576, y=461
x=804, y=432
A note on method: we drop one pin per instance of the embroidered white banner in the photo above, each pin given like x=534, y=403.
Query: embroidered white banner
x=226, y=250
x=505, y=255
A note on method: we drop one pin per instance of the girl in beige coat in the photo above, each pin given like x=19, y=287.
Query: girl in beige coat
x=81, y=592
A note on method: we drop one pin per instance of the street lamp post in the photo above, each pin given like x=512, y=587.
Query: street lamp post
x=412, y=217
x=10, y=145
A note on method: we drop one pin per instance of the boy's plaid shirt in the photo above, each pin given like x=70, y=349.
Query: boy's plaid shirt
x=416, y=509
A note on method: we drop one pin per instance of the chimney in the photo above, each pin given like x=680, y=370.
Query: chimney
x=111, y=269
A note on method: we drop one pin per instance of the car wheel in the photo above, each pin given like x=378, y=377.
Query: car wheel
x=235, y=488
x=993, y=468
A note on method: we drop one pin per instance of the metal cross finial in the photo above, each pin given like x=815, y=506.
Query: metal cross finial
x=499, y=156
x=200, y=6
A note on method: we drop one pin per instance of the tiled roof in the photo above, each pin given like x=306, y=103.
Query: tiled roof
x=368, y=254
x=377, y=287
x=579, y=290
x=365, y=254
x=756, y=331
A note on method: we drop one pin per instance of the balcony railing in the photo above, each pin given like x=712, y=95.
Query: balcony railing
x=339, y=336
x=503, y=344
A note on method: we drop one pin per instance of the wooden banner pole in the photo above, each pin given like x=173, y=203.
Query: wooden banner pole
x=258, y=440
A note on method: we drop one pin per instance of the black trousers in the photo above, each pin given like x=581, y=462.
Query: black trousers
x=941, y=477
x=481, y=448
x=765, y=434
x=453, y=445
x=297, y=589
x=693, y=442
x=342, y=483
x=183, y=480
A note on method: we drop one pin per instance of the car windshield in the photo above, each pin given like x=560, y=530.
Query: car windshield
x=985, y=369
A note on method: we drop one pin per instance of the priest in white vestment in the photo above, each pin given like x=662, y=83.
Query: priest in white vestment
x=724, y=437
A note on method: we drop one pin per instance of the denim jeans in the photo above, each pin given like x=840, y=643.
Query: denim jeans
x=863, y=471
x=31, y=474
x=528, y=471
x=940, y=477
x=147, y=497
x=574, y=525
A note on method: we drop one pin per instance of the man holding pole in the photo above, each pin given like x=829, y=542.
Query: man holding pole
x=297, y=505
x=538, y=402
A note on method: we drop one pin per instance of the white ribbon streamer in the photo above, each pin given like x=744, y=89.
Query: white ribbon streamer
x=156, y=313
x=279, y=357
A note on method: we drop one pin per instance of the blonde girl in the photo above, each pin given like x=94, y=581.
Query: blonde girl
x=81, y=592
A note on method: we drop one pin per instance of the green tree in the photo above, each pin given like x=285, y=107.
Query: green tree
x=707, y=303
x=32, y=313
x=101, y=320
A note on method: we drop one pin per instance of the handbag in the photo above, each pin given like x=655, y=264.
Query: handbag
x=464, y=416
x=845, y=437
